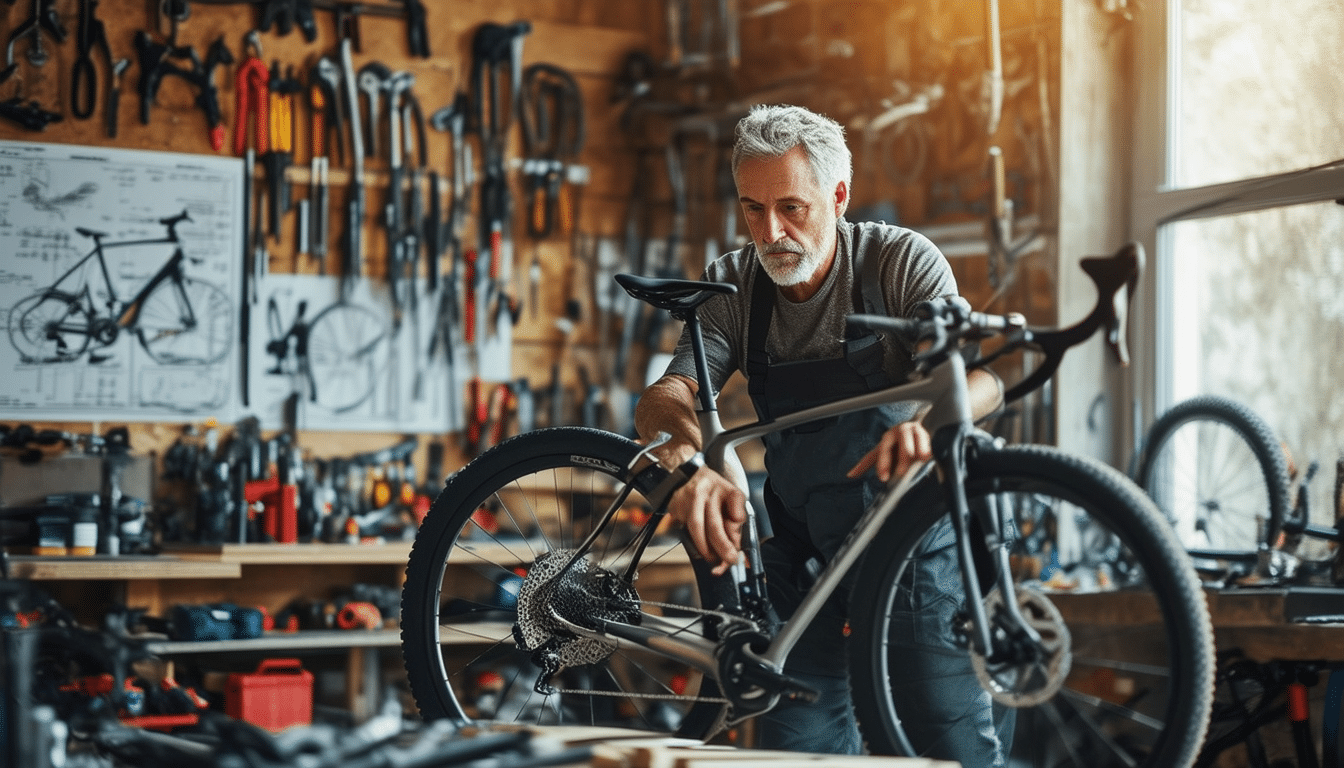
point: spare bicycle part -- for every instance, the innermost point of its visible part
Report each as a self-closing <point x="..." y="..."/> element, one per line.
<point x="1217" y="471"/>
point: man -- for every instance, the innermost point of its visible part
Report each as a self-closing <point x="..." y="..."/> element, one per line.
<point x="805" y="269"/>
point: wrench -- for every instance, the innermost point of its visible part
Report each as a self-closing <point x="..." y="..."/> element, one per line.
<point x="373" y="79"/>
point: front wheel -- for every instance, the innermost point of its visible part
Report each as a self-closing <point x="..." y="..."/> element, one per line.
<point x="480" y="561"/>
<point x="1122" y="673"/>
<point x="186" y="322"/>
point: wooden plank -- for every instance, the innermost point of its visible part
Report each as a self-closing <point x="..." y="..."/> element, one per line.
<point x="106" y="567"/>
<point x="293" y="554"/>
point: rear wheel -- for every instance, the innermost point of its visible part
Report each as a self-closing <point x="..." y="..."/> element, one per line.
<point x="499" y="526"/>
<point x="50" y="327"/>
<point x="1123" y="673"/>
<point x="1217" y="471"/>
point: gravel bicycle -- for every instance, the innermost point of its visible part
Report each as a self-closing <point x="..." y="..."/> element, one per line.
<point x="1081" y="611"/>
<point x="178" y="320"/>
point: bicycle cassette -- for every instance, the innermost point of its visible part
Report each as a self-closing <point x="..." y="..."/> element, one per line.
<point x="586" y="595"/>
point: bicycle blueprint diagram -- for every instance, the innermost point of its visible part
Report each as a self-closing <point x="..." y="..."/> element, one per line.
<point x="47" y="193"/>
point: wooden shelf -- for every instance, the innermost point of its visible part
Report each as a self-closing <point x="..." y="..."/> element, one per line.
<point x="292" y="554"/>
<point x="313" y="639"/>
<point x="120" y="568"/>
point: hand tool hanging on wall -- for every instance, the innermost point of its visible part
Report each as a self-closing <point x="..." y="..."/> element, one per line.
<point x="280" y="118"/>
<point x="251" y="86"/>
<point x="43" y="19"/>
<point x="497" y="52"/>
<point x="286" y="14"/>
<point x="670" y="264"/>
<point x="119" y="67"/>
<point x="452" y="119"/>
<point x="156" y="62"/>
<point x="373" y="78"/>
<point x="551" y="113"/>
<point x="324" y="81"/>
<point x="394" y="213"/>
<point x="352" y="243"/>
<point x="83" y="75"/>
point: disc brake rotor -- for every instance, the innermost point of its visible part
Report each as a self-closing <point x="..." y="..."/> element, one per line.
<point x="1027" y="683"/>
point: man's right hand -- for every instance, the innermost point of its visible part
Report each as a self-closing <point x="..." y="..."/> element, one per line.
<point x="713" y="511"/>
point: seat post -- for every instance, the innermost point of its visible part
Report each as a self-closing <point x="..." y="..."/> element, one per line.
<point x="704" y="394"/>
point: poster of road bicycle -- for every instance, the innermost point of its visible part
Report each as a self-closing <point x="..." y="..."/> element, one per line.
<point x="355" y="363"/>
<point x="120" y="282"/>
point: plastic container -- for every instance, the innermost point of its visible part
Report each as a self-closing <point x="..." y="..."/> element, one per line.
<point x="279" y="694"/>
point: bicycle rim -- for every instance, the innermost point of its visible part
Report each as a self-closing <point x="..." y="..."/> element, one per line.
<point x="1128" y="676"/>
<point x="49" y="327"/>
<point x="341" y="347"/>
<point x="190" y="325"/>
<point x="532" y="495"/>
<point x="1214" y="467"/>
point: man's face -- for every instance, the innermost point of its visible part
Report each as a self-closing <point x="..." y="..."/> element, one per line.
<point x="791" y="217"/>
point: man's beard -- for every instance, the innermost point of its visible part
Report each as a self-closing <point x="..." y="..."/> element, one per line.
<point x="801" y="264"/>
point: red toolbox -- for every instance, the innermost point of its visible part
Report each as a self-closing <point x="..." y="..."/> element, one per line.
<point x="279" y="694"/>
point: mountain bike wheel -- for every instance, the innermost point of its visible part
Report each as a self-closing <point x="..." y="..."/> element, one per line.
<point x="50" y="327"/>
<point x="187" y="323"/>
<point x="1214" y="467"/>
<point x="1126" y="672"/>
<point x="512" y="511"/>
<point x="339" y="356"/>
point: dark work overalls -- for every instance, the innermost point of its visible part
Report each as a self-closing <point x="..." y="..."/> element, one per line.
<point x="812" y="506"/>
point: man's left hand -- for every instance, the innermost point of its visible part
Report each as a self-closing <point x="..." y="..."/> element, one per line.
<point x="900" y="447"/>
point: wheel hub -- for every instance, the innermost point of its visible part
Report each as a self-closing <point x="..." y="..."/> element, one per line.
<point x="1034" y="671"/>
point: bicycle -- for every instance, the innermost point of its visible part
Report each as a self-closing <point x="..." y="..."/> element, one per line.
<point x="1215" y="468"/>
<point x="1065" y="536"/>
<point x="334" y="353"/>
<point x="178" y="320"/>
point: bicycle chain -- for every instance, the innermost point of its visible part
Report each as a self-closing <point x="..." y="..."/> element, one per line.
<point x="724" y="615"/>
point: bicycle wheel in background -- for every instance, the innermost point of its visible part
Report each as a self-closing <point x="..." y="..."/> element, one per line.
<point x="507" y="518"/>
<point x="50" y="327"/>
<point x="1217" y="471"/>
<point x="190" y="323"/>
<point x="1127" y="676"/>
<point x="339" y="356"/>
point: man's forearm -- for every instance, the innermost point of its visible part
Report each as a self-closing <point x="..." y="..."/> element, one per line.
<point x="668" y="405"/>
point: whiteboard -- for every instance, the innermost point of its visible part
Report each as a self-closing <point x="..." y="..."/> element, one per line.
<point x="93" y="361"/>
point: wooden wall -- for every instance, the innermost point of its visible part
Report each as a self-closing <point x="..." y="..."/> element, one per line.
<point x="843" y="57"/>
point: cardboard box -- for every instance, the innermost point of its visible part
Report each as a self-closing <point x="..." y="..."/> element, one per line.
<point x="279" y="694"/>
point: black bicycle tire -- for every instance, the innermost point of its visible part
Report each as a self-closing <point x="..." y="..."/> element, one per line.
<point x="517" y="457"/>
<point x="315" y="382"/>
<point x="1110" y="497"/>
<point x="72" y="352"/>
<point x="1246" y="425"/>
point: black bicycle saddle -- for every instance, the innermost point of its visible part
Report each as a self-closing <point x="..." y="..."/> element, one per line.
<point x="673" y="294"/>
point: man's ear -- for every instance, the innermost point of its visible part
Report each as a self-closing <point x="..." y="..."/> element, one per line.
<point x="841" y="198"/>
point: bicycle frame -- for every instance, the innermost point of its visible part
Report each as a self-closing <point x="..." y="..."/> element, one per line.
<point x="171" y="269"/>
<point x="949" y="420"/>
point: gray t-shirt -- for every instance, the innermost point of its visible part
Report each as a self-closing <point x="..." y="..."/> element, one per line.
<point x="912" y="270"/>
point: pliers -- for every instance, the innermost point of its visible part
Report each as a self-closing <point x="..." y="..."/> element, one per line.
<point x="252" y="84"/>
<point x="83" y="76"/>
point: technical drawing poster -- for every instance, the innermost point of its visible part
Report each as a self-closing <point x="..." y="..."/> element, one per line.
<point x="352" y="365"/>
<point x="142" y="331"/>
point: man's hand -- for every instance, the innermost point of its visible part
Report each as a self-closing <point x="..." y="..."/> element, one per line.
<point x="713" y="510"/>
<point x="900" y="446"/>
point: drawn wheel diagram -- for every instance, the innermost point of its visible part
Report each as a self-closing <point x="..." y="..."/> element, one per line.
<point x="50" y="327"/>
<point x="190" y="325"/>
<point x="341" y="353"/>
